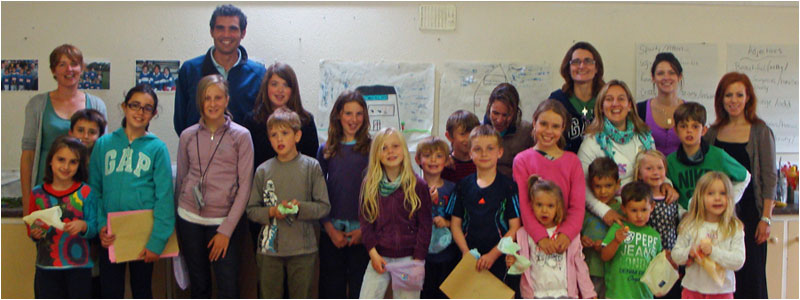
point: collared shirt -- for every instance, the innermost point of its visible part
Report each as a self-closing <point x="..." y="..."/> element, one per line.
<point x="220" y="68"/>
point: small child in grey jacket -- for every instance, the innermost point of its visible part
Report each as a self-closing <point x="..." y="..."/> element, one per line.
<point x="289" y="197"/>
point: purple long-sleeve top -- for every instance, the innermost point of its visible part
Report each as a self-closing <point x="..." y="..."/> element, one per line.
<point x="393" y="234"/>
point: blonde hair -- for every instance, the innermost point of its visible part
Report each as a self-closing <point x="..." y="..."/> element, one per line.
<point x="204" y="84"/>
<point x="538" y="185"/>
<point x="598" y="124"/>
<point x="640" y="156"/>
<point x="408" y="180"/>
<point x="728" y="224"/>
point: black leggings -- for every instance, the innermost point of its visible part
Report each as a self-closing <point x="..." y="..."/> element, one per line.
<point x="112" y="278"/>
<point x="73" y="283"/>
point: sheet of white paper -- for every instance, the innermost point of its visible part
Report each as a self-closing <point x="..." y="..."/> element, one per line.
<point x="50" y="216"/>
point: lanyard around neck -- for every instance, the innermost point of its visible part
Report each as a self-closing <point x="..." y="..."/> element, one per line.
<point x="197" y="139"/>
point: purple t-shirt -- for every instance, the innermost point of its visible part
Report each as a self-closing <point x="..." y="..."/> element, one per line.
<point x="666" y="139"/>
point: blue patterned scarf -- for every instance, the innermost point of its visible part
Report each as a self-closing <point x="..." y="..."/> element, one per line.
<point x="611" y="135"/>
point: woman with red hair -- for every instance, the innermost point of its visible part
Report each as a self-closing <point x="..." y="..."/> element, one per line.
<point x="743" y="135"/>
<point x="47" y="115"/>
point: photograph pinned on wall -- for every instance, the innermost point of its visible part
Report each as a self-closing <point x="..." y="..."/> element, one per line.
<point x="20" y="74"/>
<point x="160" y="74"/>
<point x="96" y="76"/>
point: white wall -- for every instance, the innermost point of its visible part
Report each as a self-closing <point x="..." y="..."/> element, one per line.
<point x="303" y="33"/>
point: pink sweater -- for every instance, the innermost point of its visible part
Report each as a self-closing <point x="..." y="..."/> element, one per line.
<point x="567" y="173"/>
<point x="579" y="284"/>
<point x="228" y="178"/>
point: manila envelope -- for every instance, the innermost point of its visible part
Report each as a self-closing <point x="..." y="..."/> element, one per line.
<point x="132" y="229"/>
<point x="464" y="282"/>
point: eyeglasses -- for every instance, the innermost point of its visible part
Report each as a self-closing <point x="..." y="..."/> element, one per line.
<point x="586" y="61"/>
<point x="136" y="106"/>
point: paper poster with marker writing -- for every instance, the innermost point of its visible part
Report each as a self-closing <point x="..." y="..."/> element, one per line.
<point x="399" y="95"/>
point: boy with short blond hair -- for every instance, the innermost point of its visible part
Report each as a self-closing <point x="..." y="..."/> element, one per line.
<point x="629" y="248"/>
<point x="459" y="125"/>
<point x="432" y="155"/>
<point x="289" y="197"/>
<point x="603" y="181"/>
<point x="487" y="202"/>
<point x="695" y="156"/>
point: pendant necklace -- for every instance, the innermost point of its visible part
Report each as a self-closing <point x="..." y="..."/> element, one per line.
<point x="663" y="113"/>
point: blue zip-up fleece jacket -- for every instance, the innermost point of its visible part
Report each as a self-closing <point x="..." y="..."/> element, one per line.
<point x="133" y="176"/>
<point x="244" y="80"/>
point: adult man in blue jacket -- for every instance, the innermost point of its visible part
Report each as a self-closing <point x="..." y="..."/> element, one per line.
<point x="227" y="58"/>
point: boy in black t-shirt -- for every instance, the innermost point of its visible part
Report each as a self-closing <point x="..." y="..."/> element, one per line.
<point x="485" y="205"/>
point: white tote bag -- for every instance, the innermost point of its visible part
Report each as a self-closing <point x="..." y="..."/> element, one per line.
<point x="660" y="276"/>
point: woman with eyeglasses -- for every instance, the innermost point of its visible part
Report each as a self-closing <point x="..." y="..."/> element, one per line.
<point x="582" y="70"/>
<point x="47" y="115"/>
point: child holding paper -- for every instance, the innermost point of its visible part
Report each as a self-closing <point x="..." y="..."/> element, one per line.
<point x="130" y="170"/>
<point x="485" y="206"/>
<point x="628" y="248"/>
<point x="712" y="237"/>
<point x="63" y="267"/>
<point x="288" y="197"/>
<point x="551" y="275"/>
<point x="395" y="215"/>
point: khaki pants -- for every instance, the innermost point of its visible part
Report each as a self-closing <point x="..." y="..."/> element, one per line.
<point x="300" y="270"/>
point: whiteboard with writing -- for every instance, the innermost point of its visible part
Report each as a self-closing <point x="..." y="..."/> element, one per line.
<point x="399" y="95"/>
<point x="772" y="70"/>
<point x="700" y="75"/>
<point x="467" y="85"/>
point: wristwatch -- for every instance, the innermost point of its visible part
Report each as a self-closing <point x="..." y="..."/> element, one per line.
<point x="766" y="220"/>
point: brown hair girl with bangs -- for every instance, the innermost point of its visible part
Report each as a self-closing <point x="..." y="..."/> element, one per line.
<point x="342" y="117"/>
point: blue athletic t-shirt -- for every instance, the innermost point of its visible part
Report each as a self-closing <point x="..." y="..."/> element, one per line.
<point x="485" y="212"/>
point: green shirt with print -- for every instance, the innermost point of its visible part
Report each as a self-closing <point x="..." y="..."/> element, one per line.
<point x="631" y="261"/>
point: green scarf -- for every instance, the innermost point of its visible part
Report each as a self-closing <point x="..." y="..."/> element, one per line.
<point x="386" y="187"/>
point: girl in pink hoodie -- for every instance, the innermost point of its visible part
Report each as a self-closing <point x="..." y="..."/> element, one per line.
<point x="554" y="275"/>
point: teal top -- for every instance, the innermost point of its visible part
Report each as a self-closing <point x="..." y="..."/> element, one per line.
<point x="53" y="126"/>
<point x="134" y="175"/>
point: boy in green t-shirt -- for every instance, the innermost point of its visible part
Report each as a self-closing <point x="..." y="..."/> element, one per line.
<point x="695" y="157"/>
<point x="628" y="249"/>
<point x="603" y="180"/>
